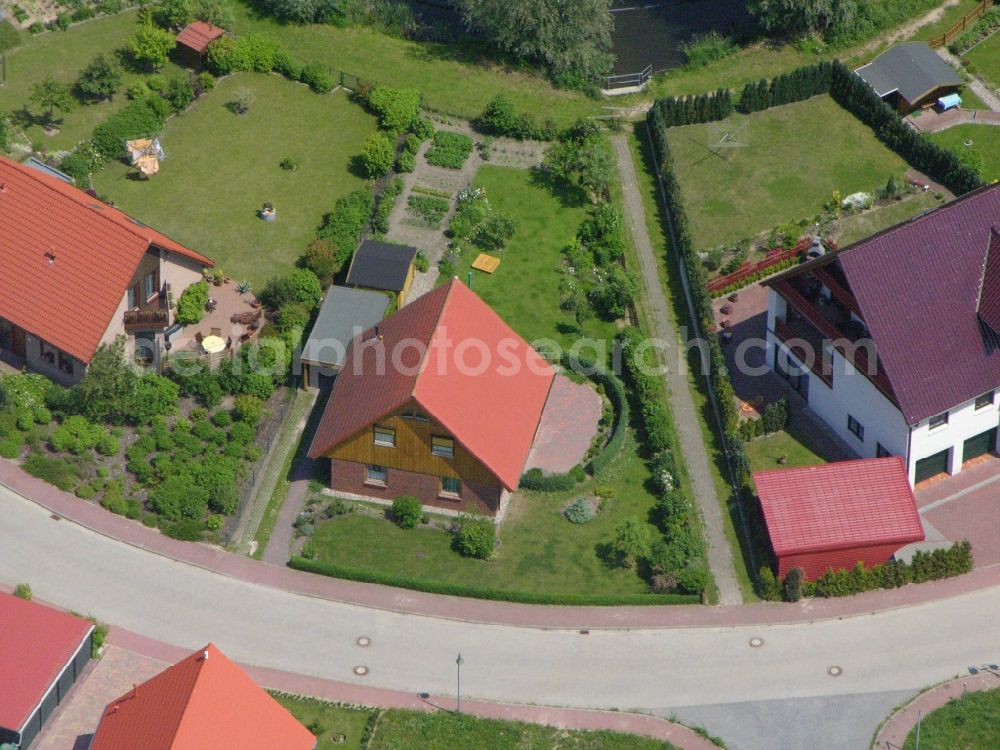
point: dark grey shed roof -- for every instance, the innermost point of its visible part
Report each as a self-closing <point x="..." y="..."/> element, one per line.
<point x="344" y="314"/>
<point x="913" y="69"/>
<point x="379" y="265"/>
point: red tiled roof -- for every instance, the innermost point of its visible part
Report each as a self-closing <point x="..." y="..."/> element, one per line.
<point x="491" y="406"/>
<point x="917" y="286"/>
<point x="36" y="644"/>
<point x="199" y="35"/>
<point x="204" y="701"/>
<point x="989" y="290"/>
<point x="68" y="301"/>
<point x="840" y="505"/>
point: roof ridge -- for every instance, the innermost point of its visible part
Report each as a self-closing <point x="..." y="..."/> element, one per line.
<point x="197" y="656"/>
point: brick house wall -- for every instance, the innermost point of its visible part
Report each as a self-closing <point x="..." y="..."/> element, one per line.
<point x="350" y="476"/>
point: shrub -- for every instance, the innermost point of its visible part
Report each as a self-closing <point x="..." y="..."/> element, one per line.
<point x="114" y="497"/>
<point x="286" y="66"/>
<point x="180" y="496"/>
<point x="768" y="586"/>
<point x="206" y="81"/>
<point x="23" y="591"/>
<point x="377" y="155"/>
<point x="316" y="77"/>
<point x="406" y="511"/>
<point x="580" y="510"/>
<point x="396" y="109"/>
<point x="185" y="530"/>
<point x="500" y="117"/>
<point x="343" y="226"/>
<point x="151" y="45"/>
<point x="533" y="479"/>
<point x="77" y="435"/>
<point x="422" y="129"/>
<point x="703" y="49"/>
<point x="241" y="433"/>
<point x="101" y="79"/>
<point x="631" y="540"/>
<point x="55" y="471"/>
<point x="138" y="91"/>
<point x="775" y="416"/>
<point x="322" y="258"/>
<point x="475" y="537"/>
<point x="191" y="304"/>
<point x="792" y="589"/>
<point x="10" y="448"/>
<point x="449" y="149"/>
<point x="250" y="52"/>
<point x="137" y="119"/>
<point x="248" y="409"/>
<point x="406" y="162"/>
<point x="222" y="418"/>
<point x="214" y="522"/>
<point x="180" y="93"/>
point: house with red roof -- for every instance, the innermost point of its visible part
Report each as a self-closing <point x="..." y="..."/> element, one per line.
<point x="78" y="273"/>
<point x="895" y="341"/>
<point x="42" y="654"/>
<point x="441" y="401"/>
<point x="837" y="515"/>
<point x="204" y="701"/>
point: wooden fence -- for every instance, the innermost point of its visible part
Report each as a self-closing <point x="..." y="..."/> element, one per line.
<point x="750" y="269"/>
<point x="961" y="25"/>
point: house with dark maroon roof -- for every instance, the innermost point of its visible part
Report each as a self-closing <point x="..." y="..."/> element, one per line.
<point x="440" y="401"/>
<point x="77" y="273"/>
<point x="837" y="515"/>
<point x="43" y="652"/>
<point x="895" y="341"/>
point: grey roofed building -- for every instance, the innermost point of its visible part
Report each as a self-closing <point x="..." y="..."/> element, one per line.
<point x="911" y="71"/>
<point x="344" y="314"/>
<point x="381" y="265"/>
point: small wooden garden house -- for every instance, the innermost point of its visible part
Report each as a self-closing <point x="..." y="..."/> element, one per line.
<point x="194" y="40"/>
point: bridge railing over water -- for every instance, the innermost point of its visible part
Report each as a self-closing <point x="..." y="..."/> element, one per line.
<point x="609" y="83"/>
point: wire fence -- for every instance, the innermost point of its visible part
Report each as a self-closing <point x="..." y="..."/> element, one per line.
<point x="624" y="80"/>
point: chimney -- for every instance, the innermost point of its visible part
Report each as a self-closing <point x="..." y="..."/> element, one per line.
<point x="204" y="655"/>
<point x="50" y="255"/>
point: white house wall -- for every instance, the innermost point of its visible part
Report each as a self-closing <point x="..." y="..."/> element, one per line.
<point x="964" y="422"/>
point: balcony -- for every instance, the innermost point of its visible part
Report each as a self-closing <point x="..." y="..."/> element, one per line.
<point x="154" y="317"/>
<point x="806" y="344"/>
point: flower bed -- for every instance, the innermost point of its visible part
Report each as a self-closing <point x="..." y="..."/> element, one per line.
<point x="751" y="272"/>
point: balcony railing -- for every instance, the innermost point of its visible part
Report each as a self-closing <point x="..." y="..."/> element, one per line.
<point x="154" y="317"/>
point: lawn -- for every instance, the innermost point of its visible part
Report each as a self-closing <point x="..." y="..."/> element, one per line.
<point x="985" y="139"/>
<point x="798" y="155"/>
<point x="221" y="167"/>
<point x="969" y="723"/>
<point x="448" y="81"/>
<point x="860" y="226"/>
<point x="442" y="730"/>
<point x="986" y="60"/>
<point x="795" y="445"/>
<point x="63" y="54"/>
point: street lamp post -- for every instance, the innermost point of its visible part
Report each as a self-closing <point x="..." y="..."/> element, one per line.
<point x="458" y="663"/>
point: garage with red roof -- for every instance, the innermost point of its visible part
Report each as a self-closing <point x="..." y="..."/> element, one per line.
<point x="205" y="701"/>
<point x="42" y="653"/>
<point x="839" y="514"/>
<point x="442" y="401"/>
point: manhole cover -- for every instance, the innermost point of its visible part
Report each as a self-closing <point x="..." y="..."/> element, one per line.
<point x="361" y="671"/>
<point x="756" y="642"/>
<point x="364" y="641"/>
<point x="835" y="671"/>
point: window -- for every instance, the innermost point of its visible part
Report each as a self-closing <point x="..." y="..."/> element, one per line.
<point x="881" y="452"/>
<point x="451" y="486"/>
<point x="66" y="363"/>
<point x="376" y="474"/>
<point x="150" y="284"/>
<point x="133" y="296"/>
<point x="444" y="447"/>
<point x="855" y="427"/>
<point x="939" y="421"/>
<point x="985" y="400"/>
<point x="385" y="436"/>
<point x="413" y="413"/>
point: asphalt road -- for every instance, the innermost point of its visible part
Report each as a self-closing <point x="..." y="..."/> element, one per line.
<point x="665" y="670"/>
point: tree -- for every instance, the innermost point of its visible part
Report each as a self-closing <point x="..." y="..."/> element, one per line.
<point x="301" y="11"/>
<point x="582" y="155"/>
<point x="630" y="542"/>
<point x="151" y="45"/>
<point x="572" y="38"/>
<point x="244" y="99"/>
<point x="215" y="12"/>
<point x="323" y="259"/>
<point x="108" y="387"/>
<point x="172" y="14"/>
<point x="377" y="155"/>
<point x="795" y="16"/>
<point x="101" y="79"/>
<point x="50" y="95"/>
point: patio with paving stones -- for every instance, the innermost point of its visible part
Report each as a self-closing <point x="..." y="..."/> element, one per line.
<point x="966" y="506"/>
<point x="228" y="302"/>
<point x="76" y="719"/>
<point x="567" y="427"/>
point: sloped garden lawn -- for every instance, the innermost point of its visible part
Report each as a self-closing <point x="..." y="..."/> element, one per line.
<point x="221" y="167"/>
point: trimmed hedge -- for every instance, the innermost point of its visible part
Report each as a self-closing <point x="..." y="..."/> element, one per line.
<point x="477" y="592"/>
<point x="795" y="86"/>
<point x="688" y="110"/>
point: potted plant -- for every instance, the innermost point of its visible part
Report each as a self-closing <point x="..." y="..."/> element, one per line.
<point x="217" y="276"/>
<point x="267" y="212"/>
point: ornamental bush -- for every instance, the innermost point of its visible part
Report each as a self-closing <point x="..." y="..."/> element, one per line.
<point x="180" y="496"/>
<point x="248" y="409"/>
<point x="56" y="471"/>
<point x="377" y="155"/>
<point x="396" y="109"/>
<point x="77" y="435"/>
<point x="241" y="433"/>
<point x="475" y="537"/>
<point x="580" y="511"/>
<point x="792" y="589"/>
<point x="191" y="304"/>
<point x="316" y="77"/>
<point x="250" y="52"/>
<point x="137" y="119"/>
<point x="406" y="511"/>
<point x="500" y="117"/>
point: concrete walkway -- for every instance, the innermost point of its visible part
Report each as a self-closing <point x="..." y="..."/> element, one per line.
<point x="931" y="121"/>
<point x="720" y="556"/>
<point x="892" y="735"/>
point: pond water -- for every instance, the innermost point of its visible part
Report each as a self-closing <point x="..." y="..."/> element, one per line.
<point x="647" y="32"/>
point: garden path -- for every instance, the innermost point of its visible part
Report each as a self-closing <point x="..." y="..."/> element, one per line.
<point x="720" y="555"/>
<point x="505" y="152"/>
<point x="990" y="97"/>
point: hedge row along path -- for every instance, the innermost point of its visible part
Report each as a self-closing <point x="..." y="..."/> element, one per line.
<point x="720" y="555"/>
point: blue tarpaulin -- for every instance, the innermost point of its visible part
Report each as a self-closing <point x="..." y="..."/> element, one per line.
<point x="947" y="102"/>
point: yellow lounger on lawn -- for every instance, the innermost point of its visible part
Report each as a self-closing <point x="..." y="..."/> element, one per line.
<point x="486" y="263"/>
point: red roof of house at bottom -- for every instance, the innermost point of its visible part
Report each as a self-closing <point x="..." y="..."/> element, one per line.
<point x="36" y="644"/>
<point x="839" y="506"/>
<point x="199" y="35"/>
<point x="66" y="258"/>
<point x="491" y="405"/>
<point x="204" y="702"/>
